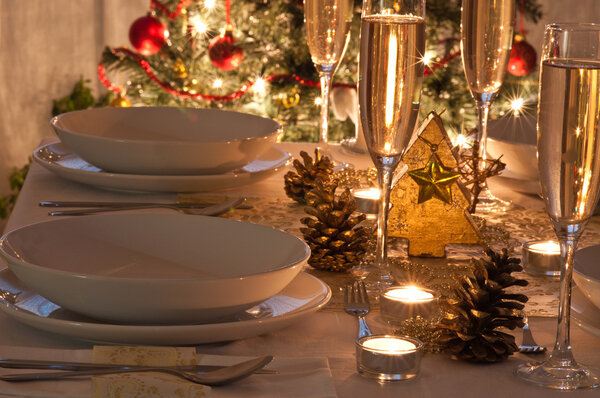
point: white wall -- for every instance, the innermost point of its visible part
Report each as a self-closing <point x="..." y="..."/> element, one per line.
<point x="45" y="46"/>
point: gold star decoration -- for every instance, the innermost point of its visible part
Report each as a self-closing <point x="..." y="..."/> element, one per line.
<point x="434" y="180"/>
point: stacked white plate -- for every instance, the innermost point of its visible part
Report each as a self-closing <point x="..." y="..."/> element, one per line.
<point x="163" y="149"/>
<point x="585" y="300"/>
<point x="514" y="138"/>
<point x="156" y="278"/>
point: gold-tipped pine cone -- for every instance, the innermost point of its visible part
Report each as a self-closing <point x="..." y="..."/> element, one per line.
<point x="336" y="240"/>
<point x="298" y="183"/>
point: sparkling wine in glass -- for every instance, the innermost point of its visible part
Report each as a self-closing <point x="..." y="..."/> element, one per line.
<point x="392" y="44"/>
<point x="328" y="32"/>
<point x="569" y="164"/>
<point x="485" y="40"/>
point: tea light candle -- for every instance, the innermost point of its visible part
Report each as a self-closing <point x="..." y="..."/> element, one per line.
<point x="367" y="200"/>
<point x="388" y="358"/>
<point x="403" y="302"/>
<point x="542" y="258"/>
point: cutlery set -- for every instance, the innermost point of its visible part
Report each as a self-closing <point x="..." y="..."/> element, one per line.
<point x="201" y="374"/>
<point x="86" y="208"/>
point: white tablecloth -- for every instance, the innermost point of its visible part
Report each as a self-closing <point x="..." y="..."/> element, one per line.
<point x="328" y="334"/>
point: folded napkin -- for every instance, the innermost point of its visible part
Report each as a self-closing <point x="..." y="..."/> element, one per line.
<point x="297" y="377"/>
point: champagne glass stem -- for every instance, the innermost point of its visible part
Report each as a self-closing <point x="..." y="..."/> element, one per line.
<point x="326" y="78"/>
<point x="380" y="278"/>
<point x="483" y="112"/>
<point x="568" y="236"/>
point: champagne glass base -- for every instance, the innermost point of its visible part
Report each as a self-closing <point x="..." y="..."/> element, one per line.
<point x="553" y="374"/>
<point x="487" y="202"/>
<point x="377" y="281"/>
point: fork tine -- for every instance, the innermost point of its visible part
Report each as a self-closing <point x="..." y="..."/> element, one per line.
<point x="363" y="292"/>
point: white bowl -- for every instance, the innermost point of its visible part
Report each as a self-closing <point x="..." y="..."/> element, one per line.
<point x="154" y="268"/>
<point x="587" y="273"/>
<point x="514" y="138"/>
<point x="163" y="140"/>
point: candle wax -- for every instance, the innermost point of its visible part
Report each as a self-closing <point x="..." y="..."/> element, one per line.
<point x="409" y="294"/>
<point x="545" y="247"/>
<point x="389" y="344"/>
<point x="372" y="193"/>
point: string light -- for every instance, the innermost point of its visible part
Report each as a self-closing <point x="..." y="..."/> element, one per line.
<point x="198" y="25"/>
<point x="516" y="105"/>
<point x="218" y="83"/>
<point x="428" y="58"/>
<point x="210" y="4"/>
<point x="318" y="101"/>
<point x="260" y="85"/>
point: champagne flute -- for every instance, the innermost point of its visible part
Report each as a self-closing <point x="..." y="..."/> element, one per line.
<point x="569" y="163"/>
<point x="486" y="34"/>
<point x="392" y="44"/>
<point x="328" y="25"/>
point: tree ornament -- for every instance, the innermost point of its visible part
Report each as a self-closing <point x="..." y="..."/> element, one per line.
<point x="148" y="35"/>
<point x="180" y="69"/>
<point x="298" y="184"/>
<point x="523" y="58"/>
<point x="224" y="53"/>
<point x="336" y="241"/>
<point x="481" y="306"/>
<point x="222" y="50"/>
<point x="289" y="100"/>
<point x="120" y="102"/>
<point x="429" y="205"/>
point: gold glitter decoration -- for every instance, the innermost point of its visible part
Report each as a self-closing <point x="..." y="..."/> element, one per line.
<point x="429" y="225"/>
<point x="349" y="177"/>
<point x="422" y="329"/>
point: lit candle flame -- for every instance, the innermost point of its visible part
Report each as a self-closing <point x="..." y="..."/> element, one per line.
<point x="409" y="294"/>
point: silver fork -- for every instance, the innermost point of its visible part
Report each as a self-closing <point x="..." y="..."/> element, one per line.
<point x="528" y="344"/>
<point x="356" y="302"/>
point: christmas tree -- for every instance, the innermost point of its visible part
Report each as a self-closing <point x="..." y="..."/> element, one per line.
<point x="251" y="56"/>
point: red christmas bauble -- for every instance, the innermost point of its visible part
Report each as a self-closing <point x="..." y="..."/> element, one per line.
<point x="147" y="35"/>
<point x="523" y="58"/>
<point x="224" y="53"/>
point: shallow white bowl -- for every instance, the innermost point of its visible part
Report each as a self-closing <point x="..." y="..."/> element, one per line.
<point x="154" y="268"/>
<point x="587" y="273"/>
<point x="163" y="140"/>
<point x="514" y="138"/>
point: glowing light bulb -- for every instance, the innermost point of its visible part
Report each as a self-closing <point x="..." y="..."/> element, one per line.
<point x="217" y="83"/>
<point x="318" y="101"/>
<point x="517" y="105"/>
<point x="209" y="3"/>
<point x="428" y="58"/>
<point x="460" y="140"/>
<point x="260" y="85"/>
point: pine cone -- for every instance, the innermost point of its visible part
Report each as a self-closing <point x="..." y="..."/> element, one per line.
<point x="470" y="323"/>
<point x="335" y="240"/>
<point x="298" y="184"/>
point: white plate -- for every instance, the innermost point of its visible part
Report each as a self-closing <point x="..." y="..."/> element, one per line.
<point x="518" y="184"/>
<point x="303" y="296"/>
<point x="584" y="313"/>
<point x="166" y="140"/>
<point x="148" y="268"/>
<point x="59" y="160"/>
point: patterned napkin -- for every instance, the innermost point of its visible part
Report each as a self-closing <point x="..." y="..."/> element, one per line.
<point x="296" y="378"/>
<point x="151" y="384"/>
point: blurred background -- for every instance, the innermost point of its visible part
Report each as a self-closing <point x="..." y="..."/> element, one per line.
<point x="47" y="46"/>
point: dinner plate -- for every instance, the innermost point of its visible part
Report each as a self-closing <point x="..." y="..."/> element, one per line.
<point x="584" y="312"/>
<point x="303" y="296"/>
<point x="60" y="160"/>
<point x="518" y="183"/>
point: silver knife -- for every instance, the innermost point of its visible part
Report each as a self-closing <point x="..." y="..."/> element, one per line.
<point x="75" y="366"/>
